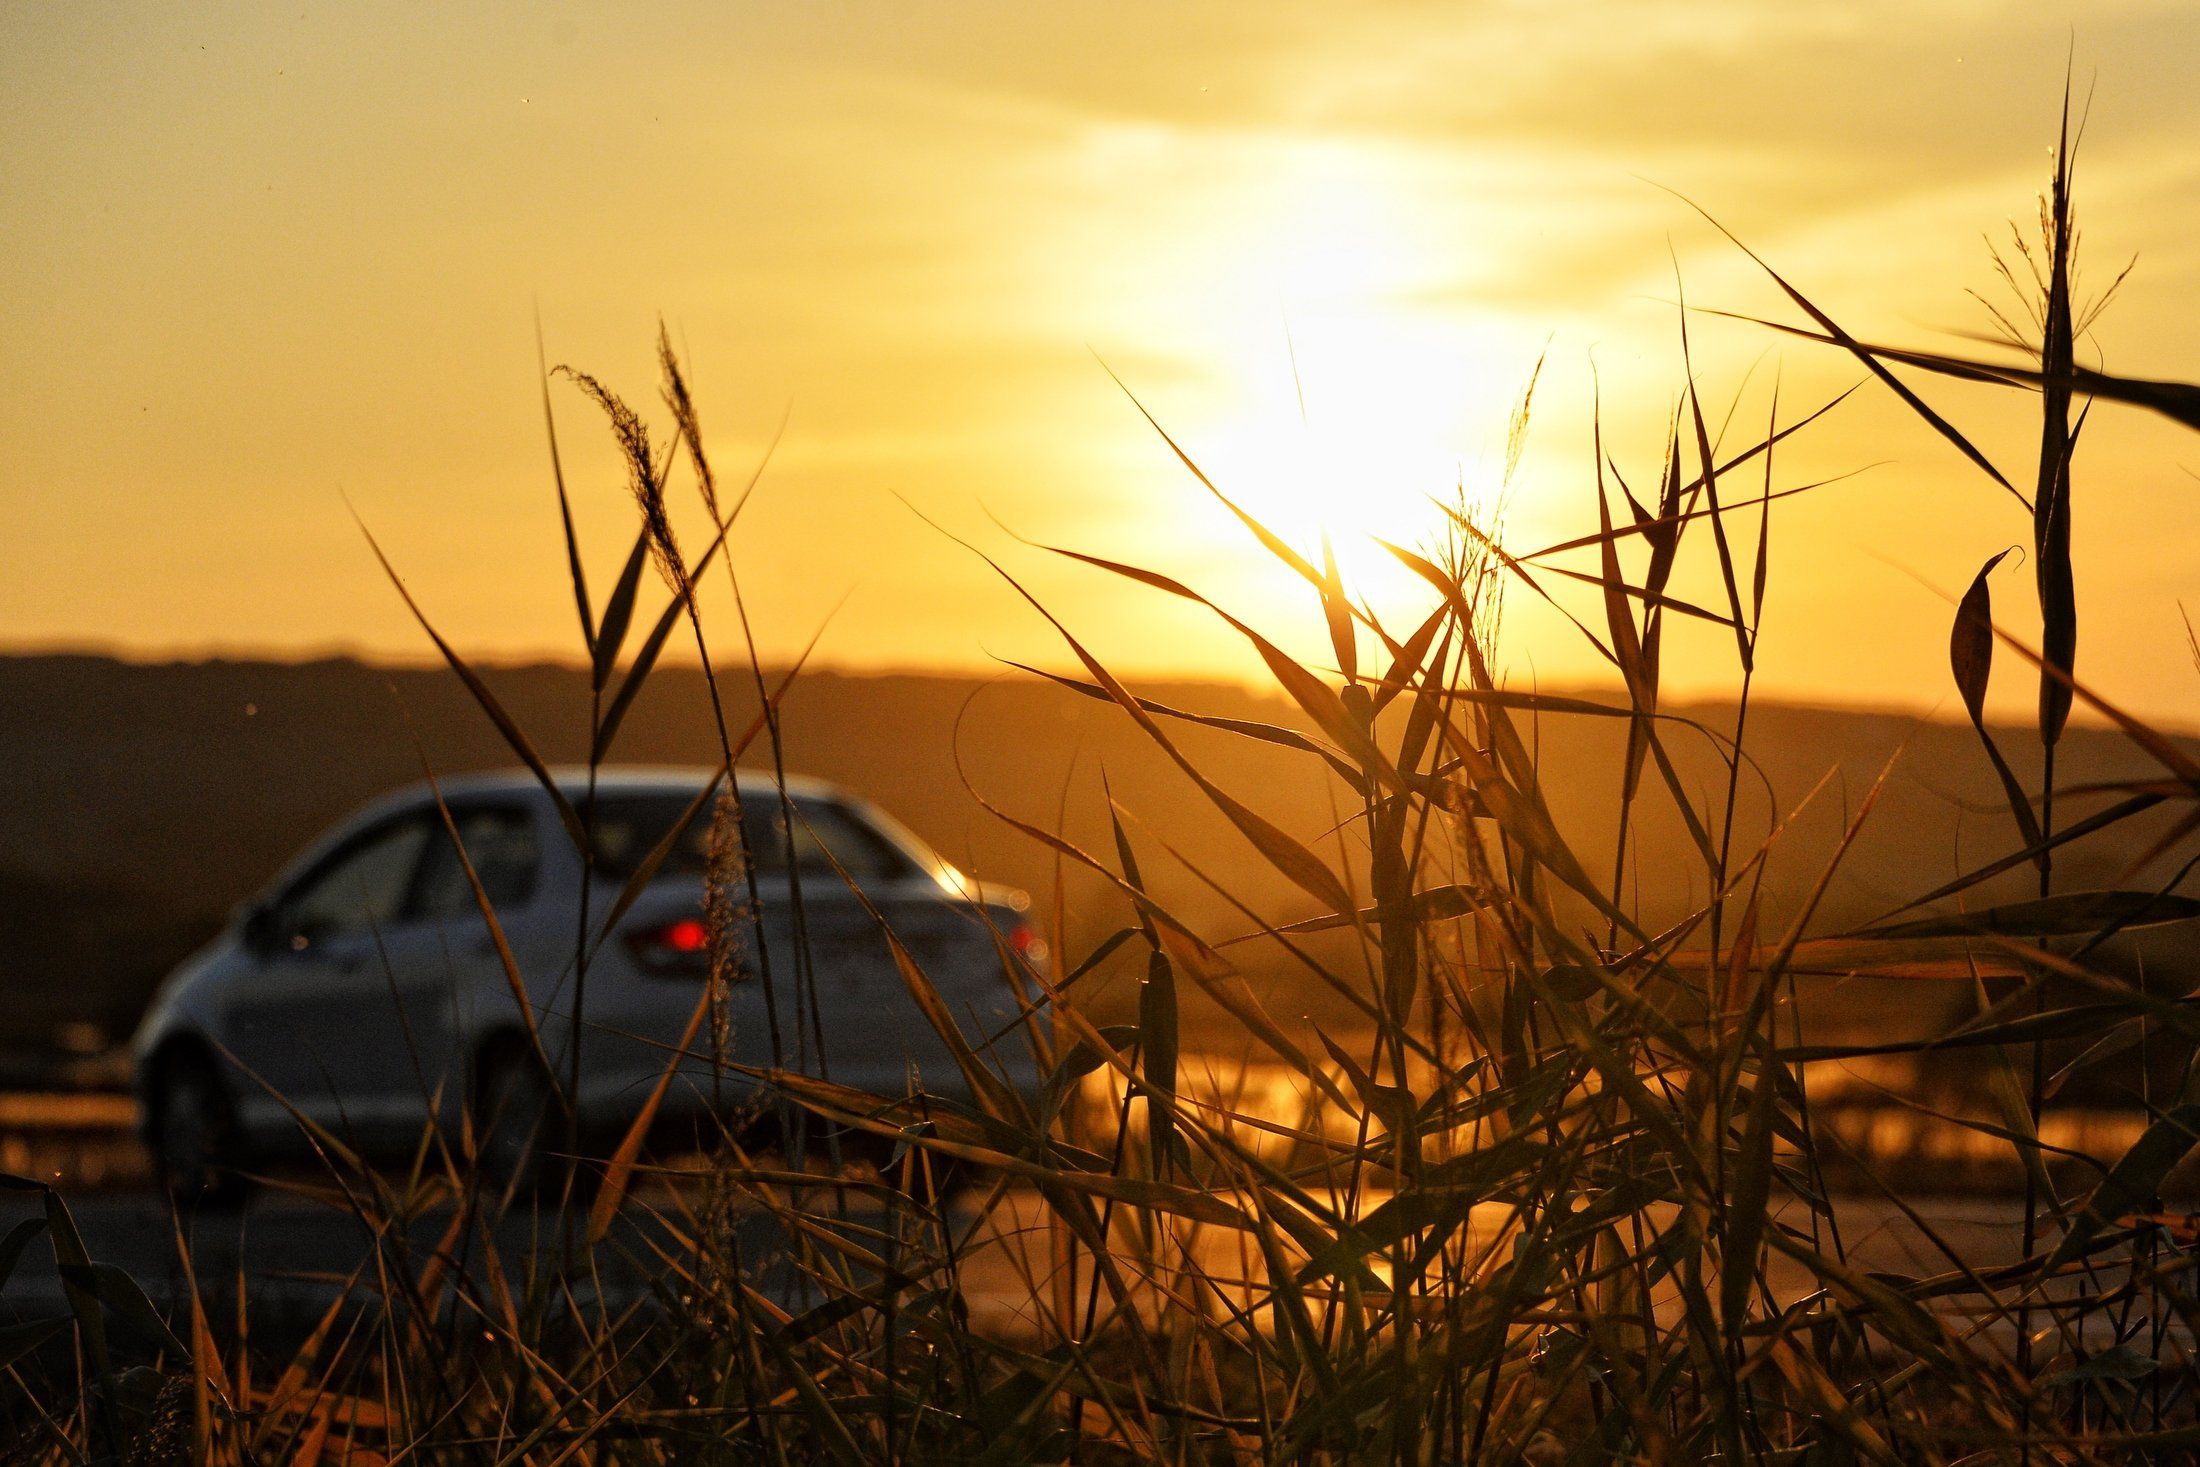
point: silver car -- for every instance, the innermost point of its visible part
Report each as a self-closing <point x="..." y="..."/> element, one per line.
<point x="364" y="990"/>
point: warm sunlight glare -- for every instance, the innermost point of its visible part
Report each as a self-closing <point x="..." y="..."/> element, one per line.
<point x="1356" y="392"/>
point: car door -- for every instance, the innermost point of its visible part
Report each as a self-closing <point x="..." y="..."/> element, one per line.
<point x="321" y="1018"/>
<point x="502" y="841"/>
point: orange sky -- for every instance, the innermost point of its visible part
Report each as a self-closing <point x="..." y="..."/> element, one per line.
<point x="263" y="260"/>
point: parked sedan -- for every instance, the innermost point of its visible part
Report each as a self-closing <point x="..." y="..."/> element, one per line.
<point x="364" y="990"/>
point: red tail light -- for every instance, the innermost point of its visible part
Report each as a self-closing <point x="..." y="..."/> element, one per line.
<point x="1029" y="945"/>
<point x="681" y="946"/>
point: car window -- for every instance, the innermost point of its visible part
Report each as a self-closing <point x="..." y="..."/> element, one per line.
<point x="361" y="885"/>
<point x="628" y="827"/>
<point x="821" y="827"/>
<point x="500" y="841"/>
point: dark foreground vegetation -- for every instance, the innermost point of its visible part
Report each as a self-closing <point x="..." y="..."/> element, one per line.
<point x="1561" y="1195"/>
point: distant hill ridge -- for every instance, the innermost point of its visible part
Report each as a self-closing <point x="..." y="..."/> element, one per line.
<point x="139" y="802"/>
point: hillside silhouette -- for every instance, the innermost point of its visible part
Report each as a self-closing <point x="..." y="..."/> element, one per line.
<point x="144" y="801"/>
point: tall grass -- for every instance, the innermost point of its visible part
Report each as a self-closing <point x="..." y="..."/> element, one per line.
<point x="1560" y="1197"/>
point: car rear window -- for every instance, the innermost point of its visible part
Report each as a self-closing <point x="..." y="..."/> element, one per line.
<point x="628" y="827"/>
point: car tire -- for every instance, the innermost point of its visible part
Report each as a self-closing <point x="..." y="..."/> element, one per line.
<point x="192" y="1132"/>
<point x="518" y="1124"/>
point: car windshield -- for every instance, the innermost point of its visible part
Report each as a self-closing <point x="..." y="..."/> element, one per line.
<point x="629" y="826"/>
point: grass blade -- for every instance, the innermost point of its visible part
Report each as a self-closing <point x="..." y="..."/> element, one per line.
<point x="1971" y="660"/>
<point x="1870" y="361"/>
<point x="486" y="700"/>
<point x="619" y="1172"/>
<point x="574" y="570"/>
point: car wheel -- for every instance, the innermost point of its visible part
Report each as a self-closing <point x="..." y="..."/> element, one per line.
<point x="518" y="1127"/>
<point x="193" y="1132"/>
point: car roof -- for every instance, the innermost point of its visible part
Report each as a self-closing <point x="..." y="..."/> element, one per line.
<point x="680" y="780"/>
<point x="619" y="779"/>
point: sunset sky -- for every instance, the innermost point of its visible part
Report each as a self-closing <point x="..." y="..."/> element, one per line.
<point x="264" y="259"/>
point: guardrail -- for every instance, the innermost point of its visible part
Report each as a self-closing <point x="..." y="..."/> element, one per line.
<point x="74" y="1138"/>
